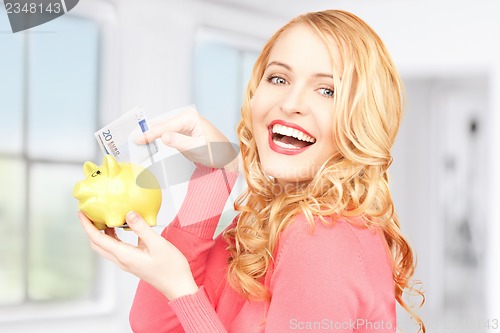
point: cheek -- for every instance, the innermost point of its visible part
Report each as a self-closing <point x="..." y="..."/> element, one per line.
<point x="257" y="128"/>
<point x="264" y="98"/>
<point x="325" y="124"/>
<point x="260" y="134"/>
<point x="327" y="136"/>
<point x="259" y="111"/>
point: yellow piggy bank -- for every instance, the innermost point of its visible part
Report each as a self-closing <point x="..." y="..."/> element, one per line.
<point x="111" y="190"/>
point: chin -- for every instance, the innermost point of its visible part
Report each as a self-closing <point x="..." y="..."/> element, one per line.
<point x="290" y="176"/>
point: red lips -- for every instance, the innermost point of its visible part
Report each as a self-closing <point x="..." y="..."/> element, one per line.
<point x="284" y="150"/>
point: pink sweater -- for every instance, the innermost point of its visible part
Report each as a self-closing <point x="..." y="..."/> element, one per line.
<point x="336" y="278"/>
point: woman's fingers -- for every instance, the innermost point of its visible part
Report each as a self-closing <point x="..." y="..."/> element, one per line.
<point x="111" y="257"/>
<point x="195" y="137"/>
<point x="184" y="132"/>
<point x="186" y="123"/>
<point x="152" y="134"/>
<point x="146" y="234"/>
<point x="183" y="143"/>
<point x="154" y="260"/>
<point x="97" y="238"/>
<point x="106" y="244"/>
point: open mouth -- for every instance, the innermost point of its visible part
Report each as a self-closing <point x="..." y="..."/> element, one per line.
<point x="290" y="138"/>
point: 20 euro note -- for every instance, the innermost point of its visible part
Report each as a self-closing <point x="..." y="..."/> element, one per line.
<point x="118" y="139"/>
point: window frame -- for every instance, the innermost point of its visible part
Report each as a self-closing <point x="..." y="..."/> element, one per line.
<point x="105" y="301"/>
<point x="242" y="43"/>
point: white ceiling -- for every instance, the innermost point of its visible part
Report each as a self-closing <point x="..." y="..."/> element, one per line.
<point x="286" y="8"/>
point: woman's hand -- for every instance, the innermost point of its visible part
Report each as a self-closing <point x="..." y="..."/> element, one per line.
<point x="154" y="260"/>
<point x="195" y="137"/>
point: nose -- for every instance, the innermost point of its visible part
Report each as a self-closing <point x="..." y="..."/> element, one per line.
<point x="295" y="102"/>
<point x="78" y="191"/>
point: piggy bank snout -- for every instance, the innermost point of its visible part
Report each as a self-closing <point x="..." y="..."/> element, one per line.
<point x="80" y="192"/>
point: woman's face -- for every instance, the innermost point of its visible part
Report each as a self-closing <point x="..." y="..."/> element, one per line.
<point x="292" y="108"/>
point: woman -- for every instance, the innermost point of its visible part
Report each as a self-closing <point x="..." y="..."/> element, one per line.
<point x="317" y="244"/>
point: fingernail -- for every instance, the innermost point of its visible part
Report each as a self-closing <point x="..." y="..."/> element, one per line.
<point x="132" y="217"/>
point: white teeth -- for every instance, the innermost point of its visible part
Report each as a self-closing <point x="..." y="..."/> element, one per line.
<point x="300" y="136"/>
<point x="288" y="131"/>
<point x="297" y="134"/>
<point x="285" y="145"/>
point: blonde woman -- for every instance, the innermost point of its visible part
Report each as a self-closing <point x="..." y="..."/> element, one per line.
<point x="316" y="245"/>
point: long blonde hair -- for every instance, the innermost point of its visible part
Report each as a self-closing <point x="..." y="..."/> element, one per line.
<point x="368" y="104"/>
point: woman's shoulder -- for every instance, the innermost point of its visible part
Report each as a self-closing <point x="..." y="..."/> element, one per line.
<point x="338" y="241"/>
<point x="344" y="253"/>
<point x="332" y="232"/>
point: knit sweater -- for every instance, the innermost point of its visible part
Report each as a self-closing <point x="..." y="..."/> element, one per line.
<point x="334" y="277"/>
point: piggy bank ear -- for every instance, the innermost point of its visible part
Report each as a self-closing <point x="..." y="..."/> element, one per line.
<point x="88" y="167"/>
<point x="111" y="166"/>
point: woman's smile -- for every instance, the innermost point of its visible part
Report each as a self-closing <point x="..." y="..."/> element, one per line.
<point x="288" y="138"/>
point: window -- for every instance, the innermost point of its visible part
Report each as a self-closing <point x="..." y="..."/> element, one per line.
<point x="48" y="111"/>
<point x="222" y="70"/>
<point x="223" y="64"/>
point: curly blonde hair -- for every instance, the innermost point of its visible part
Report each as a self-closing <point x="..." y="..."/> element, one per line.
<point x="368" y="104"/>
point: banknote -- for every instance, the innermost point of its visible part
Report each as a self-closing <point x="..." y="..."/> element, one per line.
<point x="118" y="138"/>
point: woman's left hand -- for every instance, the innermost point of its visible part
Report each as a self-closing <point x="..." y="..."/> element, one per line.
<point x="154" y="260"/>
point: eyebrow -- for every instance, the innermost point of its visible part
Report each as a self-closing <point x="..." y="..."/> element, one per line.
<point x="277" y="63"/>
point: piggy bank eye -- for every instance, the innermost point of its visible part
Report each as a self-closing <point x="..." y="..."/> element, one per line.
<point x="96" y="173"/>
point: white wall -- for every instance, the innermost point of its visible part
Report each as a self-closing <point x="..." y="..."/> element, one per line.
<point x="152" y="56"/>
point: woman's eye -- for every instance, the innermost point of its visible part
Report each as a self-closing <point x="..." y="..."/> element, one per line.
<point x="326" y="92"/>
<point x="277" y="80"/>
